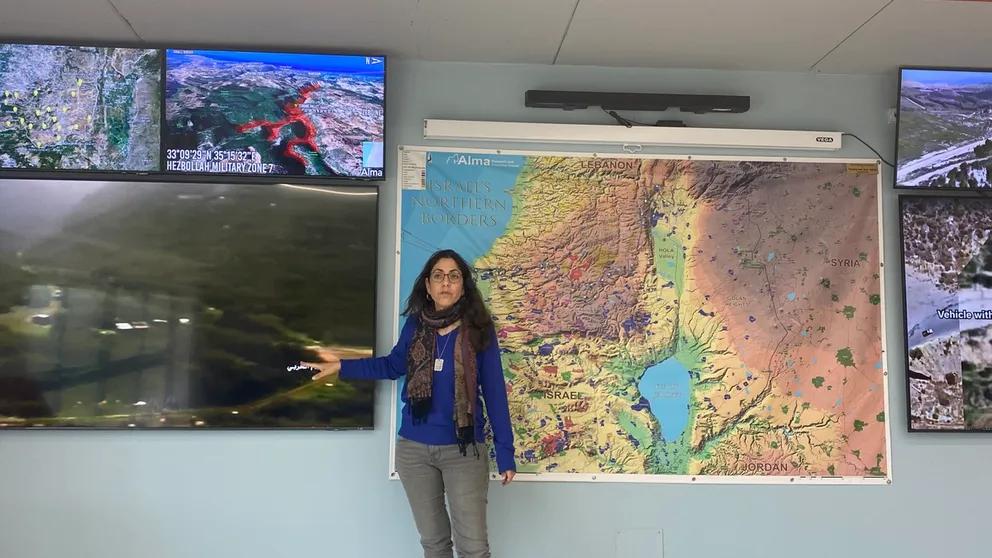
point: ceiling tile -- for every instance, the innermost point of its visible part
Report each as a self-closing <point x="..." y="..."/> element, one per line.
<point x="515" y="31"/>
<point x="379" y="26"/>
<point x="456" y="30"/>
<point x="62" y="21"/>
<point x="715" y="34"/>
<point x="919" y="33"/>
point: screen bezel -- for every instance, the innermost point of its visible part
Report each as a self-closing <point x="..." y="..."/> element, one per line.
<point x="280" y="177"/>
<point x="161" y="175"/>
<point x="85" y="174"/>
<point x="376" y="271"/>
<point x="898" y="106"/>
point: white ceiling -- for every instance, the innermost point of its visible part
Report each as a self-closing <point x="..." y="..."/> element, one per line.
<point x="834" y="36"/>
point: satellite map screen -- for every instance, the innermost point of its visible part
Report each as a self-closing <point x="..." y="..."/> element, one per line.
<point x="947" y="254"/>
<point x="945" y="129"/>
<point x="79" y="108"/>
<point x="255" y="113"/>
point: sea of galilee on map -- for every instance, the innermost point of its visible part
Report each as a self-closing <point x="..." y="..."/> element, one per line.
<point x="672" y="317"/>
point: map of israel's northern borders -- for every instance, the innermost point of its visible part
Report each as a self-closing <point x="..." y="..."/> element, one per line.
<point x="671" y="319"/>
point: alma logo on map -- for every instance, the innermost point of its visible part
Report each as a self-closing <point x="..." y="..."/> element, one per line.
<point x="469" y="160"/>
<point x="457" y="159"/>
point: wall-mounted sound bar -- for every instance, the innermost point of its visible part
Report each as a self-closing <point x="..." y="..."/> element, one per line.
<point x="699" y="104"/>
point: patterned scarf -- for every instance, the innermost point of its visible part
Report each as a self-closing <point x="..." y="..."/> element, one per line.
<point x="420" y="371"/>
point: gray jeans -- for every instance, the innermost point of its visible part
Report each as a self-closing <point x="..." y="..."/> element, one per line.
<point x="430" y="472"/>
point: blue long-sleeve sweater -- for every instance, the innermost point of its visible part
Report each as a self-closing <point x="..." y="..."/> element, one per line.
<point x="439" y="426"/>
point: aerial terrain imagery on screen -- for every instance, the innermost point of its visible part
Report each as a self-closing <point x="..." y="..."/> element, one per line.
<point x="947" y="245"/>
<point x="79" y="108"/>
<point x="945" y="133"/>
<point x="672" y="317"/>
<point x="274" y="113"/>
<point x="150" y="305"/>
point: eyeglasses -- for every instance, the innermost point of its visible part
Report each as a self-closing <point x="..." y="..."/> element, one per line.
<point x="453" y="277"/>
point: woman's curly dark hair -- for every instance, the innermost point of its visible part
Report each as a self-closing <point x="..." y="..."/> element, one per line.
<point x="476" y="317"/>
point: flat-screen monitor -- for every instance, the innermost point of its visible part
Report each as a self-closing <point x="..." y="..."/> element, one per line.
<point x="944" y="129"/>
<point x="80" y="108"/>
<point x="947" y="268"/>
<point x="143" y="305"/>
<point x="265" y="113"/>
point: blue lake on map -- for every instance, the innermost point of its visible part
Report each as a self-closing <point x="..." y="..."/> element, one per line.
<point x="666" y="388"/>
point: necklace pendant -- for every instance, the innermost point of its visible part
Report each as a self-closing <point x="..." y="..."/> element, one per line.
<point x="438" y="364"/>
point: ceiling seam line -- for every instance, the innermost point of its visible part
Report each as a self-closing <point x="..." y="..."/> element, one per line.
<point x="851" y="34"/>
<point x="124" y="19"/>
<point x="565" y="32"/>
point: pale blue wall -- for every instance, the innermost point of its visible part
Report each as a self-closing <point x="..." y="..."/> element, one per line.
<point x="265" y="494"/>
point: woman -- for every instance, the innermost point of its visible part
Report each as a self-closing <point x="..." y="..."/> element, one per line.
<point x="448" y="351"/>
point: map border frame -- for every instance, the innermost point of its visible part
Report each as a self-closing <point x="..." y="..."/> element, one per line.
<point x="633" y="477"/>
